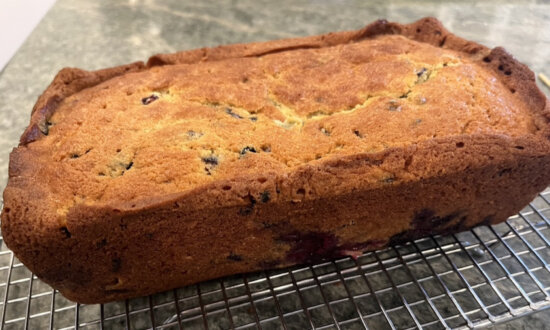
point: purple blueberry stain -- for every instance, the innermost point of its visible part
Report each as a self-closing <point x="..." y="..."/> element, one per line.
<point x="393" y="105"/>
<point x="45" y="127"/>
<point x="264" y="196"/>
<point x="192" y="135"/>
<point x="210" y="162"/>
<point x="368" y="245"/>
<point x="149" y="99"/>
<point x="101" y="243"/>
<point x="247" y="210"/>
<point x="486" y="221"/>
<point x="65" y="231"/>
<point x="246" y="150"/>
<point x="230" y="112"/>
<point x="313" y="247"/>
<point x="267" y="224"/>
<point x="234" y="257"/>
<point x="426" y="222"/>
<point x="116" y="263"/>
<point x="269" y="264"/>
<point x="420" y="72"/>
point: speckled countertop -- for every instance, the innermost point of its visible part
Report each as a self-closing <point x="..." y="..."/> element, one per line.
<point x="97" y="34"/>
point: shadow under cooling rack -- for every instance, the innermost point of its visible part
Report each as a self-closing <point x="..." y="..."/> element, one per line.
<point x="475" y="278"/>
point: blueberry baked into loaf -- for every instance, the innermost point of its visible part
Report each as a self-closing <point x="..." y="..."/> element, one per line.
<point x="217" y="161"/>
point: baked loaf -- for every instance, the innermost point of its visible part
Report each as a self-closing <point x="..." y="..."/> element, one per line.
<point x="217" y="161"/>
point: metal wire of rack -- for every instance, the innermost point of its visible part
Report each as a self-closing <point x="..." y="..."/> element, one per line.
<point x="475" y="278"/>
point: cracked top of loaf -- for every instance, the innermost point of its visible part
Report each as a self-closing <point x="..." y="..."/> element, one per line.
<point x="215" y="115"/>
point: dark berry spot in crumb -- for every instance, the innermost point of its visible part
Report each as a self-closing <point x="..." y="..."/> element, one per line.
<point x="266" y="148"/>
<point x="487" y="59"/>
<point x="266" y="224"/>
<point x="245" y="79"/>
<point x="46" y="129"/>
<point x="210" y="160"/>
<point x="249" y="208"/>
<point x="149" y="99"/>
<point x="73" y="156"/>
<point x="301" y="191"/>
<point x="226" y="187"/>
<point x="101" y="243"/>
<point x="268" y="264"/>
<point x="247" y="149"/>
<point x="264" y="197"/>
<point x="115" y="264"/>
<point x="460" y="144"/>
<point x="194" y="135"/>
<point x="246" y="210"/>
<point x="504" y="171"/>
<point x="421" y="72"/>
<point x="486" y="221"/>
<point x="394" y="106"/>
<point x="422" y="75"/>
<point x="253" y="118"/>
<point x="519" y="147"/>
<point x="234" y="257"/>
<point x="230" y="112"/>
<point x="416" y="122"/>
<point x="513" y="90"/>
<point x="507" y="72"/>
<point x="66" y="232"/>
<point x="501" y="67"/>
<point x="357" y="133"/>
<point x="129" y="166"/>
<point x="418" y="30"/>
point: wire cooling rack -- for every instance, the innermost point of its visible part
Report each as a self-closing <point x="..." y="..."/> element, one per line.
<point x="483" y="276"/>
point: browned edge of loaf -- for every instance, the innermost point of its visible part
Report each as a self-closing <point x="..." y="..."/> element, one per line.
<point x="515" y="75"/>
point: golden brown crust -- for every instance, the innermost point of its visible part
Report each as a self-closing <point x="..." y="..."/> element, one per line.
<point x="103" y="233"/>
<point x="66" y="83"/>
